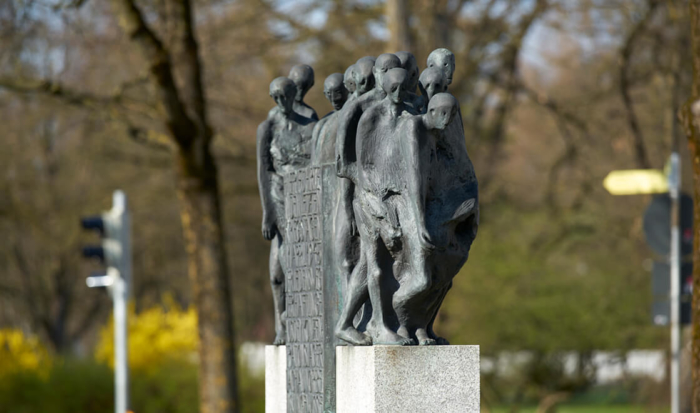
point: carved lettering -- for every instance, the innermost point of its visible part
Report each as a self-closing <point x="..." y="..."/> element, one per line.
<point x="304" y="290"/>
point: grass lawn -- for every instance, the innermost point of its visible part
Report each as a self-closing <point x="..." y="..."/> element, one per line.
<point x="591" y="408"/>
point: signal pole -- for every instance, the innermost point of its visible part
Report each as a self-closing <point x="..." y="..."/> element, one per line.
<point x="115" y="251"/>
<point x="674" y="184"/>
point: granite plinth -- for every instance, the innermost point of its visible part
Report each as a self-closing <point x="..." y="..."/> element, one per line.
<point x="275" y="379"/>
<point x="394" y="379"/>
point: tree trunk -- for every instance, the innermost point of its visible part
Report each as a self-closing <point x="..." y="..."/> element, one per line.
<point x="690" y="116"/>
<point x="197" y="189"/>
<point x="185" y="117"/>
<point x="399" y="34"/>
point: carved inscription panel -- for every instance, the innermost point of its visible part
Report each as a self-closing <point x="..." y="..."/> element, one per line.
<point x="302" y="252"/>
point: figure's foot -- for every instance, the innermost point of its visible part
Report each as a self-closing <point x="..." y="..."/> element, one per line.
<point x="354" y="337"/>
<point x="389" y="338"/>
<point x="440" y="341"/>
<point x="280" y="340"/>
<point x="424" y="338"/>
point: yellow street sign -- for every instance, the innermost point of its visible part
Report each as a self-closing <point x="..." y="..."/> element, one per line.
<point x="636" y="182"/>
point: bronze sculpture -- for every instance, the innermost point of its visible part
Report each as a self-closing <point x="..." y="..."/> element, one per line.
<point x="403" y="208"/>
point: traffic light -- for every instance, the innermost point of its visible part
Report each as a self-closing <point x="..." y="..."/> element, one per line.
<point x="114" y="250"/>
<point x="661" y="288"/>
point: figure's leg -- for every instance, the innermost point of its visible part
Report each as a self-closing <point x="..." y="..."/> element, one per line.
<point x="356" y="295"/>
<point x="379" y="305"/>
<point x="277" y="284"/>
<point x="344" y="229"/>
<point x="431" y="333"/>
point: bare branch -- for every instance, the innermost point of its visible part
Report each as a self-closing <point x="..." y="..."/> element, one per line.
<point x="642" y="158"/>
<point x="180" y="125"/>
<point x="58" y="91"/>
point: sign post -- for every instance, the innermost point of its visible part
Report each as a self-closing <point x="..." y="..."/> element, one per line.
<point x="653" y="181"/>
<point x="674" y="183"/>
<point x="115" y="252"/>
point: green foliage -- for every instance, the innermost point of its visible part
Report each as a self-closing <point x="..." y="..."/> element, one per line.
<point x="87" y="386"/>
<point x="71" y="386"/>
<point x="518" y="292"/>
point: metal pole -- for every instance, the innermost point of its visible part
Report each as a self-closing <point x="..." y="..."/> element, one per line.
<point x="121" y="370"/>
<point x="120" y="297"/>
<point x="674" y="189"/>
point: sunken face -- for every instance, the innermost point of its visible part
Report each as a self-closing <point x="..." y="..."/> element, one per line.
<point x="335" y="91"/>
<point x="303" y="78"/>
<point x="432" y="82"/>
<point x="349" y="79"/>
<point x="364" y="79"/>
<point x="283" y="91"/>
<point x="443" y="60"/>
<point x="441" y="110"/>
<point x="409" y="63"/>
<point x="384" y="63"/>
<point x="394" y="85"/>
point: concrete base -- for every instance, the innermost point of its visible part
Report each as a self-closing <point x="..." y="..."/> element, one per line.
<point x="392" y="379"/>
<point x="275" y="379"/>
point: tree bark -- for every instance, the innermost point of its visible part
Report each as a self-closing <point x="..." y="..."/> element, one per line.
<point x="399" y="33"/>
<point x="690" y="116"/>
<point x="197" y="188"/>
<point x="185" y="117"/>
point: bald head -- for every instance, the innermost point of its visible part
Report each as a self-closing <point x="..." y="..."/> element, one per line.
<point x="384" y="63"/>
<point x="441" y="111"/>
<point x="283" y="91"/>
<point x="364" y="78"/>
<point x="409" y="63"/>
<point x="349" y="79"/>
<point x="444" y="60"/>
<point x="394" y="84"/>
<point x="432" y="81"/>
<point x="303" y="78"/>
<point x="335" y="90"/>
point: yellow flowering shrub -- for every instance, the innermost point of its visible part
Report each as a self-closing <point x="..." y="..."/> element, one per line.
<point x="19" y="352"/>
<point x="156" y="335"/>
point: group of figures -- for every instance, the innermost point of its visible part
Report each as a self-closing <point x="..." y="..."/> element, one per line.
<point x="404" y="191"/>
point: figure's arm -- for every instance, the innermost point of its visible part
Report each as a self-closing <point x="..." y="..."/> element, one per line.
<point x="316" y="143"/>
<point x="265" y="170"/>
<point x="415" y="152"/>
<point x="345" y="140"/>
<point x="314" y="116"/>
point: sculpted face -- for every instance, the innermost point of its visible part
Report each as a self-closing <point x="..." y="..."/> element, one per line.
<point x="349" y="79"/>
<point x="394" y="84"/>
<point x="335" y="91"/>
<point x="384" y="63"/>
<point x="443" y="60"/>
<point x="409" y="63"/>
<point x="283" y="91"/>
<point x="432" y="82"/>
<point x="364" y="79"/>
<point x="441" y="110"/>
<point x="303" y="78"/>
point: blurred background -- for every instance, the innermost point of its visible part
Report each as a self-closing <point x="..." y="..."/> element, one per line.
<point x="555" y="94"/>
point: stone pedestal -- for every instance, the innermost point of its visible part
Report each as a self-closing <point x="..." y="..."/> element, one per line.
<point x="393" y="379"/>
<point x="275" y="379"/>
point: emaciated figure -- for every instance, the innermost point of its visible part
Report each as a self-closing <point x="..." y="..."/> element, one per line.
<point x="283" y="145"/>
<point x="431" y="82"/>
<point x="349" y="81"/>
<point x="323" y="137"/>
<point x="409" y="63"/>
<point x="447" y="188"/>
<point x="444" y="60"/>
<point x="303" y="78"/>
<point x="379" y="183"/>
